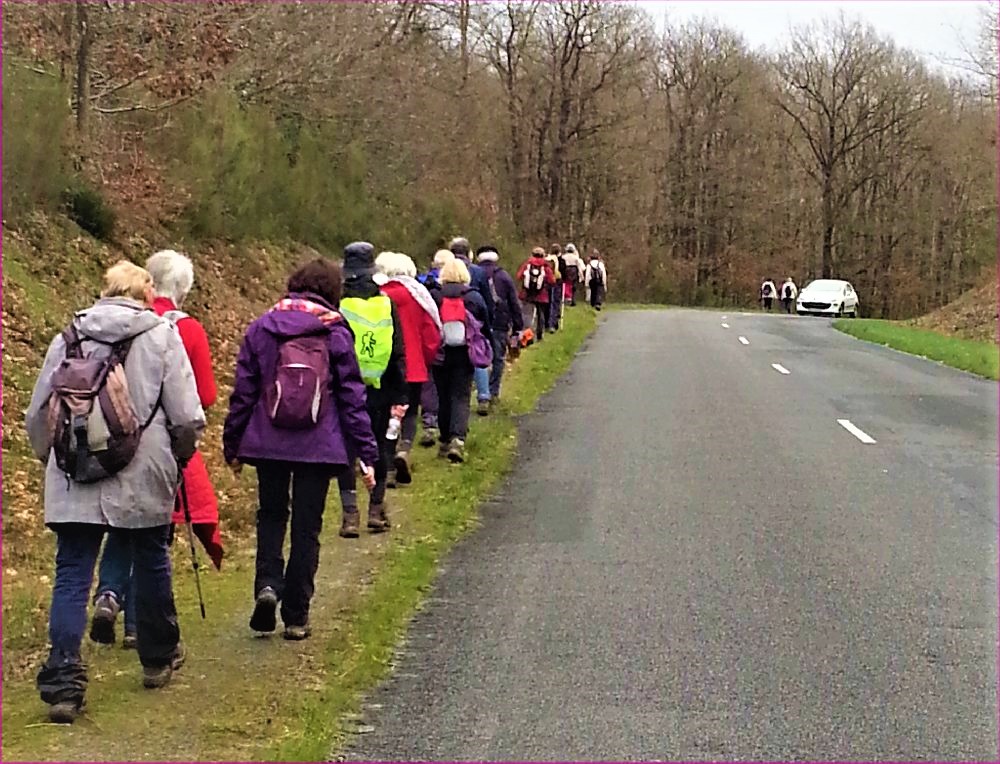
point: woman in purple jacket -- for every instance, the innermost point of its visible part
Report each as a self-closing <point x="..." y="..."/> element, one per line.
<point x="296" y="441"/>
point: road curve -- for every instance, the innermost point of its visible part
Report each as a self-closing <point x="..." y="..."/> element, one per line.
<point x="695" y="559"/>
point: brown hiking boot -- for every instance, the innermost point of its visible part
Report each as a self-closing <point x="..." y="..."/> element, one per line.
<point x="401" y="464"/>
<point x="155" y="677"/>
<point x="350" y="524"/>
<point x="378" y="521"/>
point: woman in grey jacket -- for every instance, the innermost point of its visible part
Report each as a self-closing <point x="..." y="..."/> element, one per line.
<point x="136" y="502"/>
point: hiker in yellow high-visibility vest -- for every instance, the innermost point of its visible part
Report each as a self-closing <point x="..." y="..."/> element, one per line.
<point x="378" y="341"/>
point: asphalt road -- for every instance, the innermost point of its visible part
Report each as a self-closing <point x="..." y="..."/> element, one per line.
<point x="694" y="559"/>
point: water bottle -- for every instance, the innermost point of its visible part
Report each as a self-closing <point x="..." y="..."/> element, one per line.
<point x="394" y="427"/>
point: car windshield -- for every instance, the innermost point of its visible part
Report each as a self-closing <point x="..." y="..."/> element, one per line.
<point x="825" y="285"/>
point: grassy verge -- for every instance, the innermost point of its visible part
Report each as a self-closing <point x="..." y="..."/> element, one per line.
<point x="240" y="698"/>
<point x="982" y="358"/>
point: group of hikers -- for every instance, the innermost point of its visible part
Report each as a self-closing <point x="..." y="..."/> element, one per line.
<point x="786" y="295"/>
<point x="330" y="382"/>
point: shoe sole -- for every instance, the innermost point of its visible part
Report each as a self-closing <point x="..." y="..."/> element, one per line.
<point x="297" y="637"/>
<point x="456" y="458"/>
<point x="264" y="619"/>
<point x="403" y="476"/>
<point x="102" y="628"/>
<point x="349" y="534"/>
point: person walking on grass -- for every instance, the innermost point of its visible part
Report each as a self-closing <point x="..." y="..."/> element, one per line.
<point x="421" y="326"/>
<point x="113" y="417"/>
<point x="536" y="277"/>
<point x="380" y="346"/>
<point x="507" y="316"/>
<point x="558" y="264"/>
<point x="173" y="277"/>
<point x="466" y="345"/>
<point x="428" y="398"/>
<point x="460" y="247"/>
<point x="573" y="276"/>
<point x="297" y="413"/>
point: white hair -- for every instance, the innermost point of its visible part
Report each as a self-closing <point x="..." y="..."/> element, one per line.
<point x="173" y="275"/>
<point x="396" y="264"/>
<point x="442" y="257"/>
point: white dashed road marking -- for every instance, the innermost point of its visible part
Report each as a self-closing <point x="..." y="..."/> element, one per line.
<point x="779" y="368"/>
<point x="857" y="433"/>
<point x="744" y="340"/>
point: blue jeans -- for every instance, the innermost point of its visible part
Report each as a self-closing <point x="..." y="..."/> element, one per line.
<point x="115" y="576"/>
<point x="482" y="379"/>
<point x="63" y="677"/>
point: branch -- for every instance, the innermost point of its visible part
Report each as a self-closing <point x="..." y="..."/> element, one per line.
<point x="121" y="86"/>
<point x="143" y="107"/>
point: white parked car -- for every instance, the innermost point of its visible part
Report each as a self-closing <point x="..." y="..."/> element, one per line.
<point x="828" y="297"/>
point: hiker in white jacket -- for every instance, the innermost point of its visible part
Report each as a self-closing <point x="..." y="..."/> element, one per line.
<point x="596" y="279"/>
<point x="788" y="294"/>
<point x="768" y="291"/>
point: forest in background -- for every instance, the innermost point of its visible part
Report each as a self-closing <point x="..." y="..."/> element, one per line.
<point x="695" y="163"/>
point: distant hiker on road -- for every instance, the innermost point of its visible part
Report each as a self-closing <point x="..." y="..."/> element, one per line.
<point x="788" y="294"/>
<point x="768" y="291"/>
<point x="535" y="278"/>
<point x="466" y="329"/>
<point x="297" y="414"/>
<point x="596" y="278"/>
<point x="112" y="467"/>
<point x="573" y="277"/>
<point x="421" y="324"/>
<point x="381" y="351"/>
<point x="507" y="316"/>
<point x="173" y="277"/>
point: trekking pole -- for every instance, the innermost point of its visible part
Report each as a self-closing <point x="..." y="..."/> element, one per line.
<point x="194" y="553"/>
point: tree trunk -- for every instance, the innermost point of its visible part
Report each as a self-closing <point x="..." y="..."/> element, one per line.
<point x="86" y="34"/>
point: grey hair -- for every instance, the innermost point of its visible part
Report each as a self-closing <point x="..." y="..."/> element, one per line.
<point x="459" y="244"/>
<point x="396" y="264"/>
<point x="173" y="275"/>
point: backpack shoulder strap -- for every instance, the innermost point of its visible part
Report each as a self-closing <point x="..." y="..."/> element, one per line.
<point x="173" y="316"/>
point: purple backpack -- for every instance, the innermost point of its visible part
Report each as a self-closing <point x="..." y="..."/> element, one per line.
<point x="300" y="391"/>
<point x="480" y="352"/>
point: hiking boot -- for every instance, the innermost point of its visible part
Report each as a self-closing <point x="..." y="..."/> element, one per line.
<point x="65" y="712"/>
<point x="402" y="467"/>
<point x="350" y="523"/>
<point x="102" y="625"/>
<point x="378" y="521"/>
<point x="483" y="409"/>
<point x="263" y="619"/>
<point x="443" y="449"/>
<point x="390" y="478"/>
<point x="297" y="633"/>
<point x="456" y="451"/>
<point x="155" y="677"/>
<point x="429" y="437"/>
<point x="130" y="641"/>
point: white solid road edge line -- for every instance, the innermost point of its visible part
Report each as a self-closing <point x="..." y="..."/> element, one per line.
<point x="725" y="326"/>
<point x="861" y="435"/>
<point x="744" y="340"/>
<point x="779" y="368"/>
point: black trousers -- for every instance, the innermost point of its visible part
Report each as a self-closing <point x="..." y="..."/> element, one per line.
<point x="541" y="319"/>
<point x="295" y="582"/>
<point x="454" y="385"/>
<point x="377" y="405"/>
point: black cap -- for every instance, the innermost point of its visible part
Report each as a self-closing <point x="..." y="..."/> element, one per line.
<point x="359" y="259"/>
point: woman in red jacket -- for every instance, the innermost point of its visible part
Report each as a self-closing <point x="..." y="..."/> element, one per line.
<point x="173" y="277"/>
<point x="421" y="324"/>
